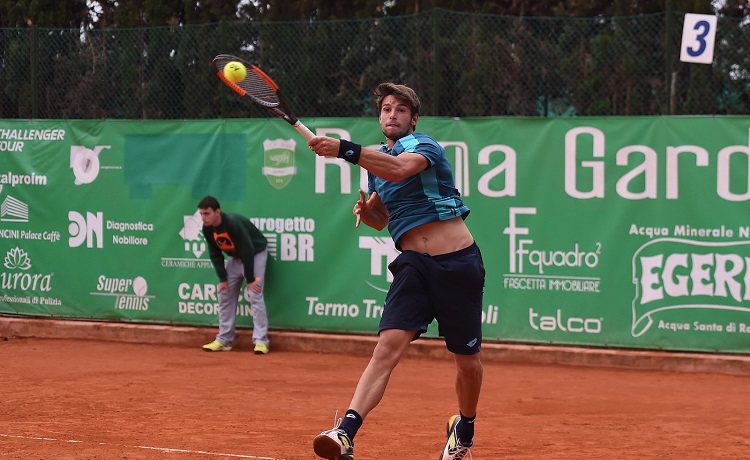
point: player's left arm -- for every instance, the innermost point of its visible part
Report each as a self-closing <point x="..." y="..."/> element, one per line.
<point x="371" y="211"/>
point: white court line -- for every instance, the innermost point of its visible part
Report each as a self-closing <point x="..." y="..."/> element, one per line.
<point x="160" y="449"/>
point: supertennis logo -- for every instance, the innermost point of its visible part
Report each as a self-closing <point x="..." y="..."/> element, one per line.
<point x="128" y="293"/>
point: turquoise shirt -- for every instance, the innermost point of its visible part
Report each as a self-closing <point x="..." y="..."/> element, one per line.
<point x="429" y="196"/>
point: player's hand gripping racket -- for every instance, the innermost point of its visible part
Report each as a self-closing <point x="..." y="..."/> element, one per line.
<point x="260" y="88"/>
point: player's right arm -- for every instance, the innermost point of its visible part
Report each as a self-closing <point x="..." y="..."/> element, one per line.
<point x="391" y="168"/>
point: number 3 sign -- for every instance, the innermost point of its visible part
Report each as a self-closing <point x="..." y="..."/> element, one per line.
<point x="698" y="36"/>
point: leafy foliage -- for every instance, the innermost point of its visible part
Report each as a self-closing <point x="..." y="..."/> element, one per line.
<point x="149" y="59"/>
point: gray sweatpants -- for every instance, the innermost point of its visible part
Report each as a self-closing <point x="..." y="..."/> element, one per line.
<point x="229" y="297"/>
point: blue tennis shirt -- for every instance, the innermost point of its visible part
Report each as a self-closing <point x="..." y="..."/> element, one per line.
<point x="427" y="197"/>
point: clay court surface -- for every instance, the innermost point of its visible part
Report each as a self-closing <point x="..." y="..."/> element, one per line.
<point x="83" y="399"/>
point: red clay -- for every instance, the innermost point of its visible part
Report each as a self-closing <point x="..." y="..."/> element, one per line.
<point x="131" y="401"/>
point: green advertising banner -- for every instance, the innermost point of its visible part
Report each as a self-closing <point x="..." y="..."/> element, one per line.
<point x="604" y="232"/>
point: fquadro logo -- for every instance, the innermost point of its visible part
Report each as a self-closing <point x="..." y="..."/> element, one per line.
<point x="128" y="293"/>
<point x="681" y="274"/>
<point x="278" y="161"/>
<point x="535" y="268"/>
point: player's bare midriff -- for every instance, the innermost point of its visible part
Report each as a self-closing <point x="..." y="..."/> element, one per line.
<point x="436" y="238"/>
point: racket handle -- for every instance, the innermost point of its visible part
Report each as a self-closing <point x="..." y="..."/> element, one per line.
<point x="303" y="130"/>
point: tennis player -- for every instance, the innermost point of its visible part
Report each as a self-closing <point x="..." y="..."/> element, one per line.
<point x="439" y="273"/>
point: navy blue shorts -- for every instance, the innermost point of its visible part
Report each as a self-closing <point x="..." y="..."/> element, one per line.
<point x="448" y="288"/>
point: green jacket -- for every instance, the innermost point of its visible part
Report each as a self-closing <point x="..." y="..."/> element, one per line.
<point x="237" y="237"/>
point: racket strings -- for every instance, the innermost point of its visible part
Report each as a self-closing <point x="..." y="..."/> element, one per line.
<point x="254" y="84"/>
<point x="257" y="88"/>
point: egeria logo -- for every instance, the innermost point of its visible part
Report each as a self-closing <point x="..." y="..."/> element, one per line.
<point x="278" y="161"/>
<point x="674" y="273"/>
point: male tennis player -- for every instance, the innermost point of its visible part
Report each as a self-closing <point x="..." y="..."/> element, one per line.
<point x="245" y="245"/>
<point x="438" y="275"/>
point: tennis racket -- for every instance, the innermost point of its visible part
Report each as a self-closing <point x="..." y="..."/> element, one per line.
<point x="261" y="89"/>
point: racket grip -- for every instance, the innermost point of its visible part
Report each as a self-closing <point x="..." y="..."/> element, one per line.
<point x="303" y="130"/>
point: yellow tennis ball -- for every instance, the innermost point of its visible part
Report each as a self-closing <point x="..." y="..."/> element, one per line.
<point x="235" y="71"/>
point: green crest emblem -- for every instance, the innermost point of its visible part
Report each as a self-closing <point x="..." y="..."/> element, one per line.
<point x="278" y="161"/>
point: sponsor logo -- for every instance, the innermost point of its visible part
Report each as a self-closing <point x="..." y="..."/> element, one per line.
<point x="89" y="230"/>
<point x="13" y="179"/>
<point x="382" y="252"/>
<point x="558" y="322"/>
<point x="680" y="274"/>
<point x="128" y="293"/>
<point x="13" y="210"/>
<point x="289" y="238"/>
<point x="193" y="245"/>
<point x="563" y="269"/>
<point x="19" y="276"/>
<point x="85" y="163"/>
<point x="14" y="140"/>
<point x="278" y="161"/>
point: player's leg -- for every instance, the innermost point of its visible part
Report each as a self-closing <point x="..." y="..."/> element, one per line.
<point x="392" y="344"/>
<point x="469" y="374"/>
<point x="258" y="305"/>
<point x="406" y="315"/>
<point x="459" y="315"/>
<point x="338" y="443"/>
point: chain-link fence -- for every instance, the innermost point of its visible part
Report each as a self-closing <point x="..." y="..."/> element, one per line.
<point x="463" y="65"/>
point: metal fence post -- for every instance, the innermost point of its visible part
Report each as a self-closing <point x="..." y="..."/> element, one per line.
<point x="668" y="56"/>
<point x="435" y="63"/>
<point x="34" y="81"/>
<point x="222" y="47"/>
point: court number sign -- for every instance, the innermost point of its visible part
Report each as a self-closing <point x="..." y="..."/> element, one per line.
<point x="698" y="35"/>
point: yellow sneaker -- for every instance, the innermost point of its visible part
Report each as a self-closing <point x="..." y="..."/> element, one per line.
<point x="261" y="349"/>
<point x="455" y="449"/>
<point x="216" y="346"/>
